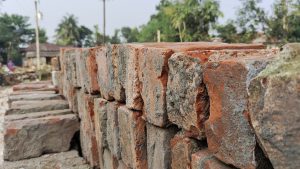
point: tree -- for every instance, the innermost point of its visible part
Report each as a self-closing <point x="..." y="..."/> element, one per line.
<point x="15" y="32"/>
<point x="193" y="19"/>
<point x="85" y="37"/>
<point x="68" y="31"/>
<point x="228" y="32"/>
<point x="130" y="34"/>
<point x="284" y="25"/>
<point x="251" y="19"/>
<point x="160" y="21"/>
<point x="115" y="39"/>
<point x="42" y="36"/>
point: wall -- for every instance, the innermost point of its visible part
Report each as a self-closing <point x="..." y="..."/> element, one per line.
<point x="185" y="105"/>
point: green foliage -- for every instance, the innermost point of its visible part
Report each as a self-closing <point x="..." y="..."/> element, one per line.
<point x="42" y="36"/>
<point x="67" y="32"/>
<point x="228" y="32"/>
<point x="284" y="25"/>
<point x="160" y="21"/>
<point x="251" y="19"/>
<point x="15" y="32"/>
<point x="130" y="34"/>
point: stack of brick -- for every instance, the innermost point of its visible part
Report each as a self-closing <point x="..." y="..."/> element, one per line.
<point x="173" y="105"/>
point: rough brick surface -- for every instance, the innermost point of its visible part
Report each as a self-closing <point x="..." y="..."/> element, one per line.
<point x="274" y="108"/>
<point x="24" y="107"/>
<point x="182" y="149"/>
<point x="30" y="138"/>
<point x="100" y="109"/>
<point x="132" y="130"/>
<point x="88" y="71"/>
<point x="228" y="131"/>
<point x="132" y="83"/>
<point x="110" y="162"/>
<point x="187" y="98"/>
<point x="203" y="159"/>
<point x="105" y="72"/>
<point x="159" y="147"/>
<point x="153" y="74"/>
<point x="65" y="160"/>
<point x="88" y="139"/>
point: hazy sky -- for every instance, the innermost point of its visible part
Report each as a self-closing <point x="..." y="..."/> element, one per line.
<point x="119" y="12"/>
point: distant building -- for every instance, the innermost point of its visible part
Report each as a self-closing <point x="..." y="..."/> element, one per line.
<point x="47" y="52"/>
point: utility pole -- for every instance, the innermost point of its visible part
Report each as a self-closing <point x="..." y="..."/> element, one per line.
<point x="104" y="20"/>
<point x="37" y="39"/>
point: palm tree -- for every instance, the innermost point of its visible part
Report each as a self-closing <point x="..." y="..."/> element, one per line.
<point x="68" y="31"/>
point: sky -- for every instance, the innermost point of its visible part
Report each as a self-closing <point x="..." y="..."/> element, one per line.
<point x="119" y="13"/>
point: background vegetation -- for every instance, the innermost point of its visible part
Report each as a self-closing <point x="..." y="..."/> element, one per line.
<point x="177" y="21"/>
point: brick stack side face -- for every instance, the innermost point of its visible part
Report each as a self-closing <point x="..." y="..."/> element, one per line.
<point x="167" y="105"/>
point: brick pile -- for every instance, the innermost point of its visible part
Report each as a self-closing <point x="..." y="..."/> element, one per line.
<point x="184" y="105"/>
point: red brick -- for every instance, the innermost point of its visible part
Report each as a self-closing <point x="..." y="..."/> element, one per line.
<point x="111" y="62"/>
<point x="182" y="149"/>
<point x="100" y="109"/>
<point x="228" y="131"/>
<point x="159" y="147"/>
<point x="132" y="83"/>
<point x="87" y="130"/>
<point x="132" y="138"/>
<point x="88" y="70"/>
<point x="274" y="104"/>
<point x="203" y="159"/>
<point x="153" y="74"/>
<point x="110" y="162"/>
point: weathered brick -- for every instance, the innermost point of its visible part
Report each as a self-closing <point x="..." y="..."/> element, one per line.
<point x="274" y="103"/>
<point x="182" y="149"/>
<point x="132" y="129"/>
<point x="100" y="109"/>
<point x="88" y="71"/>
<point x="132" y="84"/>
<point x="159" y="147"/>
<point x="187" y="98"/>
<point x="87" y="130"/>
<point x="203" y="159"/>
<point x="32" y="136"/>
<point x="106" y="125"/>
<point x="153" y="74"/>
<point x="111" y="62"/>
<point x="121" y="165"/>
<point x="110" y="162"/>
<point x="228" y="131"/>
<point x="112" y="129"/>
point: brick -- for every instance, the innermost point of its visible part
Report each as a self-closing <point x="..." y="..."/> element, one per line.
<point x="228" y="131"/>
<point x="111" y="62"/>
<point x="274" y="105"/>
<point x="31" y="106"/>
<point x="121" y="165"/>
<point x="132" y="83"/>
<point x="70" y="66"/>
<point x="159" y="147"/>
<point x="112" y="129"/>
<point x="119" y="63"/>
<point x="88" y="71"/>
<point x="31" y="137"/>
<point x="100" y="109"/>
<point x="88" y="139"/>
<point x="132" y="130"/>
<point x="187" y="98"/>
<point x="182" y="149"/>
<point x="110" y="162"/>
<point x="106" y="126"/>
<point x="153" y="74"/>
<point x="203" y="159"/>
